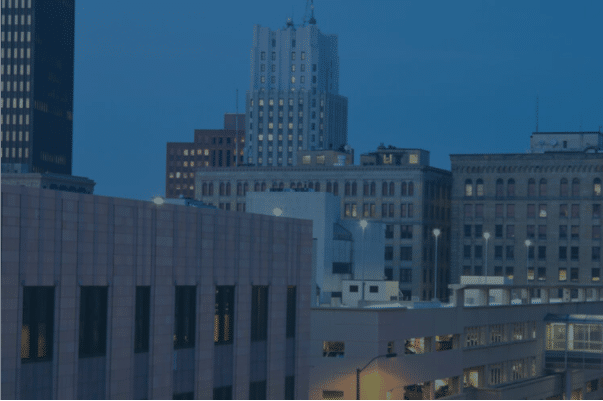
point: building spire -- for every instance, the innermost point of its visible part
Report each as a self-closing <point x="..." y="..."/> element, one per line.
<point x="312" y="20"/>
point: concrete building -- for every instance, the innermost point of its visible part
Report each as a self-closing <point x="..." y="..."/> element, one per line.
<point x="293" y="102"/>
<point x="542" y="211"/>
<point x="343" y="250"/>
<point x="60" y="182"/>
<point x="107" y="298"/>
<point x="393" y="186"/>
<point x="459" y="351"/>
<point x="211" y="148"/>
<point x="37" y="86"/>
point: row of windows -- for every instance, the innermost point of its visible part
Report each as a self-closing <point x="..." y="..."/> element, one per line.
<point x="405" y="253"/>
<point x="20" y="119"/>
<point x="24" y="53"/>
<point x="16" y="3"/>
<point x="540" y="273"/>
<point x="369" y="210"/>
<point x="302" y="54"/>
<point x="476" y="231"/>
<point x="23" y="36"/>
<point x="477" y="210"/>
<point x="38" y="319"/>
<point x="15" y="152"/>
<point x="564" y="187"/>
<point x="17" y="135"/>
<point x="405" y="231"/>
<point x="16" y="103"/>
<point x="281" y="102"/>
<point x="477" y="252"/>
<point x="8" y="20"/>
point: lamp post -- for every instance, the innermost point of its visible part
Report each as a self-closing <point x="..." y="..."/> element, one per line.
<point x="363" y="224"/>
<point x="358" y="370"/>
<point x="436" y="233"/>
<point x="486" y="237"/>
<point x="528" y="244"/>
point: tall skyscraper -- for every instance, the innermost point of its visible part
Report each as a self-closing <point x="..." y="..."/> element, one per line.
<point x="293" y="102"/>
<point x="37" y="85"/>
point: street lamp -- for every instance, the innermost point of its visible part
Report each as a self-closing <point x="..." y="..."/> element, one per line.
<point x="392" y="355"/>
<point x="528" y="244"/>
<point x="363" y="224"/>
<point x="436" y="233"/>
<point x="158" y="200"/>
<point x="486" y="237"/>
<point x="277" y="211"/>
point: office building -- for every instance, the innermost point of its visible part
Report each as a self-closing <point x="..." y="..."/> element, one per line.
<point x="108" y="298"/>
<point x="542" y="211"/>
<point x="393" y="186"/>
<point x="293" y="102"/>
<point x="37" y="86"/>
<point x="211" y="148"/>
<point x="521" y="348"/>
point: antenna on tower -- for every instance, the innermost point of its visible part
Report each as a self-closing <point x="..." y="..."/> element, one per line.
<point x="311" y="20"/>
<point x="536" y="113"/>
<point x="237" y="131"/>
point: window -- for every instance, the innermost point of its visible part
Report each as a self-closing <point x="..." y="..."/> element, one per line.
<point x="142" y="319"/>
<point x="575" y="187"/>
<point x="596" y="253"/>
<point x="511" y="188"/>
<point x="542" y="187"/>
<point x="93" y="321"/>
<point x="292" y="55"/>
<point x="497" y="333"/>
<point x="38" y="324"/>
<point x="223" y="393"/>
<point x="562" y="232"/>
<point x="541" y="252"/>
<point x="509" y="272"/>
<point x="263" y="56"/>
<point x="479" y="210"/>
<point x="405" y="253"/>
<point x="531" y="187"/>
<point x="596" y="211"/>
<point x="405" y="275"/>
<point x="563" y="210"/>
<point x="499" y="188"/>
<point x="479" y="187"/>
<point x="562" y="252"/>
<point x="405" y="231"/>
<point x="353" y="288"/>
<point x="498" y="231"/>
<point x="389" y="253"/>
<point x="597" y="187"/>
<point x="373" y="289"/>
<point x="511" y="211"/>
<point x="389" y="231"/>
<point x="332" y="395"/>
<point x="530" y="231"/>
<point x="510" y="231"/>
<point x="478" y="230"/>
<point x="574" y="274"/>
<point x="259" y="313"/>
<point x="541" y="232"/>
<point x="468" y="188"/>
<point x="575" y="252"/>
<point x="185" y="316"/>
<point x="562" y="274"/>
<point x="224" y="315"/>
<point x="416" y="346"/>
<point x="596" y="231"/>
<point x="290" y="388"/>
<point x="388" y="272"/>
<point x="510" y="254"/>
<point x="542" y="211"/>
<point x="563" y="187"/>
<point x="467" y="230"/>
<point x="542" y="274"/>
<point x="575" y="232"/>
<point x="478" y="251"/>
<point x="498" y="210"/>
<point x="474" y="336"/>
<point x="498" y="252"/>
<point x="595" y="274"/>
<point x="333" y="349"/>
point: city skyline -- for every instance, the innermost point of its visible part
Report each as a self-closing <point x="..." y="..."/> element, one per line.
<point x="145" y="77"/>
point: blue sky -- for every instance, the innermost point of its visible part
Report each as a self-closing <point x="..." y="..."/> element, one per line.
<point x="446" y="76"/>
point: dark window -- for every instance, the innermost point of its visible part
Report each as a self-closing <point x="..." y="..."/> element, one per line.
<point x="223" y="393"/>
<point x="479" y="210"/>
<point x="575" y="211"/>
<point x="467" y="251"/>
<point x="511" y="188"/>
<point x="562" y="232"/>
<point x="342" y="268"/>
<point x="478" y="231"/>
<point x="595" y="274"/>
<point x="93" y="321"/>
<point x="563" y="187"/>
<point x="405" y="253"/>
<point x="289" y="387"/>
<point x="498" y="252"/>
<point x="498" y="210"/>
<point x="405" y="231"/>
<point x="511" y="231"/>
<point x="291" y="310"/>
<point x="389" y="231"/>
<point x="498" y="271"/>
<point x="509" y="272"/>
<point x="542" y="252"/>
<point x="142" y="319"/>
<point x="542" y="273"/>
<point x="531" y="212"/>
<point x="478" y="252"/>
<point x="575" y="187"/>
<point x="257" y="390"/>
<point x="511" y="211"/>
<point x="389" y="253"/>
<point x="596" y="211"/>
<point x="531" y="231"/>
<point x="498" y="231"/>
<point x="596" y="231"/>
<point x="38" y="324"/>
<point x="373" y="288"/>
<point x="542" y="187"/>
<point x="405" y="275"/>
<point x="467" y="230"/>
<point x="184" y="316"/>
<point x="575" y="232"/>
<point x="224" y="314"/>
<point x="499" y="187"/>
<point x="531" y="187"/>
<point x="541" y="232"/>
<point x="259" y="313"/>
<point x="574" y="274"/>
<point x="468" y="211"/>
<point x="563" y="210"/>
<point x="388" y="272"/>
<point x="353" y="288"/>
<point x="510" y="252"/>
<point x="596" y="253"/>
<point x="575" y="252"/>
<point x="562" y="252"/>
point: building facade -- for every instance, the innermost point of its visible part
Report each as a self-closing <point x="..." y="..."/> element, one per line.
<point x="541" y="209"/>
<point x="293" y="102"/>
<point x="211" y="148"/>
<point x="107" y="298"/>
<point x="37" y="86"/>
<point x="396" y="187"/>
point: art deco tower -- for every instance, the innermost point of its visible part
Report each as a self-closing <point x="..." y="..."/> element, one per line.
<point x="37" y="85"/>
<point x="293" y="102"/>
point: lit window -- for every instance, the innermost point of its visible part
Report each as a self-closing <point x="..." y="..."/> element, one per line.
<point x="185" y="164"/>
<point x="292" y="55"/>
<point x="290" y="125"/>
<point x="292" y="80"/>
<point x="261" y="102"/>
<point x="468" y="188"/>
<point x="171" y="175"/>
<point x="185" y="152"/>
<point x="293" y="68"/>
<point x="542" y="211"/>
<point x="320" y="159"/>
<point x="206" y="152"/>
<point x="177" y="174"/>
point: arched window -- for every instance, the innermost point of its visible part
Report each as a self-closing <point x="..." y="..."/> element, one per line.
<point x="204" y="189"/>
<point x="329" y="187"/>
<point x="256" y="187"/>
<point x="274" y="185"/>
<point x="299" y="185"/>
<point x="384" y="191"/>
<point x="210" y="189"/>
<point x="335" y="188"/>
<point x="597" y="187"/>
<point x="348" y="188"/>
<point x="542" y="187"/>
<point x="403" y="189"/>
<point x="263" y="186"/>
<point x="292" y="185"/>
<point x="531" y="187"/>
<point x="511" y="188"/>
<point x="245" y="188"/>
<point x="392" y="188"/>
<point x="499" y="187"/>
<point x="411" y="188"/>
<point x="563" y="187"/>
<point x="354" y="188"/>
<point x="575" y="187"/>
<point x="228" y="189"/>
<point x="281" y="185"/>
<point x="373" y="188"/>
<point x="317" y="186"/>
<point x="221" y="189"/>
<point x="365" y="188"/>
<point x="479" y="187"/>
<point x="239" y="189"/>
<point x="468" y="188"/>
<point x="311" y="185"/>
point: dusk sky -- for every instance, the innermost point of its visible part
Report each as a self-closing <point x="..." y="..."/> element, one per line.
<point x="445" y="76"/>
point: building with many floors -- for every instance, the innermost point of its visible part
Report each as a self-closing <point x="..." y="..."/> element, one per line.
<point x="293" y="102"/>
<point x="542" y="211"/>
<point x="108" y="298"/>
<point x="393" y="186"/>
<point x="211" y="148"/>
<point x="37" y="86"/>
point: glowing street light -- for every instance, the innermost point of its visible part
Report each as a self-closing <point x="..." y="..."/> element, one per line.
<point x="277" y="211"/>
<point x="363" y="224"/>
<point x="436" y="233"/>
<point x="486" y="237"/>
<point x="158" y="200"/>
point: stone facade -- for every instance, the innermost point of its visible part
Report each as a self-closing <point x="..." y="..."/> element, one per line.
<point x="61" y="182"/>
<point x="72" y="243"/>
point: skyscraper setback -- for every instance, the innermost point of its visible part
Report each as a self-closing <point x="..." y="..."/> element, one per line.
<point x="37" y="85"/>
<point x="293" y="102"/>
